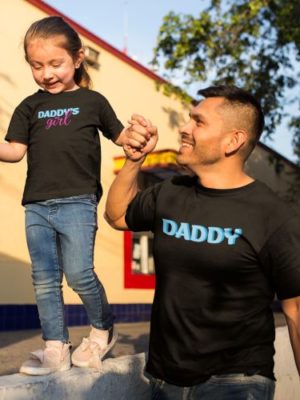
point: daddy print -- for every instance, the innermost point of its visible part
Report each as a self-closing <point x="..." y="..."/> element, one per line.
<point x="201" y="233"/>
<point x="58" y="117"/>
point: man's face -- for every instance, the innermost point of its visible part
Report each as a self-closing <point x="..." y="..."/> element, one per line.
<point x="203" y="136"/>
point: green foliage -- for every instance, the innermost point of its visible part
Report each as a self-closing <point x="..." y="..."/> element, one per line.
<point x="254" y="44"/>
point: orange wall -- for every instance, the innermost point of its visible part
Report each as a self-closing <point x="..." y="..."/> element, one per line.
<point x="129" y="90"/>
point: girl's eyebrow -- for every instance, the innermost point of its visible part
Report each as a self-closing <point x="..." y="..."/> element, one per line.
<point x="51" y="61"/>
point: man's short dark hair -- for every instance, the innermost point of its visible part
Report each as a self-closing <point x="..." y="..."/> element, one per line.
<point x="239" y="97"/>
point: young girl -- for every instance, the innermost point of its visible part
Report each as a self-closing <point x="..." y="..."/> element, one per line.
<point x="58" y="128"/>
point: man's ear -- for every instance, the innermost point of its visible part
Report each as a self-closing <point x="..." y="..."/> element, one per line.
<point x="236" y="140"/>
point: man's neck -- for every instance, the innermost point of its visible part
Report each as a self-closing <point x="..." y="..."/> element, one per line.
<point x="218" y="178"/>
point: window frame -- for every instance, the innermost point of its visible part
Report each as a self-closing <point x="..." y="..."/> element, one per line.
<point x="131" y="280"/>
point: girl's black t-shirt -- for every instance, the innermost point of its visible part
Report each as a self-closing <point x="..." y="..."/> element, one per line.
<point x="220" y="257"/>
<point x="62" y="134"/>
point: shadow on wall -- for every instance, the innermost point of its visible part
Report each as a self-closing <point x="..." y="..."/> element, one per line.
<point x="176" y="119"/>
<point x="6" y="108"/>
<point x="15" y="281"/>
<point x="17" y="302"/>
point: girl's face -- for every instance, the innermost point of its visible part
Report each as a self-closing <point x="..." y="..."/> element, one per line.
<point x="52" y="67"/>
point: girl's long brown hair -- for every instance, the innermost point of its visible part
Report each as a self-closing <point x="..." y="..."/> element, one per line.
<point x="56" y="26"/>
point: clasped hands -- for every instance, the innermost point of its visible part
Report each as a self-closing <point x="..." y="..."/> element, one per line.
<point x="140" y="138"/>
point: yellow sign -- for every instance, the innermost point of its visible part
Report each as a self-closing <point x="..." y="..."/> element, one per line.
<point x="157" y="159"/>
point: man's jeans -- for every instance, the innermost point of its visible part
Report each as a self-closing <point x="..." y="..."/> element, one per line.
<point x="61" y="236"/>
<point x="218" y="387"/>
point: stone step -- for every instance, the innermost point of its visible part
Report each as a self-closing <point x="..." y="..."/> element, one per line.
<point x="122" y="379"/>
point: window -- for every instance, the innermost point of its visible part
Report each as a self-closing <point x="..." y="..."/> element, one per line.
<point x="138" y="260"/>
<point x="142" y="254"/>
<point x="91" y="56"/>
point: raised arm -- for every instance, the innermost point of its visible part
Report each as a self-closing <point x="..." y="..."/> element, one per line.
<point x="12" y="151"/>
<point x="291" y="309"/>
<point x="125" y="187"/>
<point x="121" y="192"/>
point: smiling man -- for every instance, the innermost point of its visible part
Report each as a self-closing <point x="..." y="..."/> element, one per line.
<point x="224" y="245"/>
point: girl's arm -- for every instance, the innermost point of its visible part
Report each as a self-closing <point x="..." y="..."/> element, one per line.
<point x="12" y="151"/>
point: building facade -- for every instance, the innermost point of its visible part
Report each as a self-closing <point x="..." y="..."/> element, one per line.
<point x="123" y="261"/>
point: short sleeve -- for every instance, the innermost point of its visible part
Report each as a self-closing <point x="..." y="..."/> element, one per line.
<point x="281" y="258"/>
<point x="110" y="125"/>
<point x="140" y="215"/>
<point x="19" y="126"/>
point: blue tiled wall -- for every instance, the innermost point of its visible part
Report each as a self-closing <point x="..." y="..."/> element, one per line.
<point x="17" y="317"/>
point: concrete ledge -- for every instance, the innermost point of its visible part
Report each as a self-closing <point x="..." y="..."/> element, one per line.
<point x="122" y="378"/>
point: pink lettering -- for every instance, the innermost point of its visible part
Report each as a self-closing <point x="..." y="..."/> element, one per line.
<point x="61" y="121"/>
<point x="49" y="123"/>
<point x="67" y="117"/>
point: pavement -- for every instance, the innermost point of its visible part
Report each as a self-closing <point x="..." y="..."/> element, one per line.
<point x="133" y="338"/>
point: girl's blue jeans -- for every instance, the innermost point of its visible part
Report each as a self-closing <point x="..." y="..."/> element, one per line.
<point x="217" y="387"/>
<point x="61" y="236"/>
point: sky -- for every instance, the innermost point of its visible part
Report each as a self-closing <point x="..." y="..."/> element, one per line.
<point x="135" y="24"/>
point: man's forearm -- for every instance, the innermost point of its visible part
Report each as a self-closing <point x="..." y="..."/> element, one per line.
<point x="295" y="342"/>
<point x="291" y="309"/>
<point x="122" y="191"/>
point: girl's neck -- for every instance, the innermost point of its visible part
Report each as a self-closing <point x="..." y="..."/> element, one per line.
<point x="75" y="87"/>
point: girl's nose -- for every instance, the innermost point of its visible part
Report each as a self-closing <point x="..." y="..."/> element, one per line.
<point x="47" y="74"/>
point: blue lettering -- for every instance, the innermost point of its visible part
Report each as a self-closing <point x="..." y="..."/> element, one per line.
<point x="169" y="227"/>
<point x="232" y="237"/>
<point x="58" y="113"/>
<point x="183" y="231"/>
<point x="199" y="233"/>
<point x="215" y="235"/>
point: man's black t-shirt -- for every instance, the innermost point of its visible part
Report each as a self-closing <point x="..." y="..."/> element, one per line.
<point x="61" y="131"/>
<point x="220" y="256"/>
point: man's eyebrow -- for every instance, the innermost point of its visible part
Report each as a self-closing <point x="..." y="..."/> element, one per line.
<point x="197" y="116"/>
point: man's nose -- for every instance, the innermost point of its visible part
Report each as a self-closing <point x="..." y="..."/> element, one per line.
<point x="185" y="128"/>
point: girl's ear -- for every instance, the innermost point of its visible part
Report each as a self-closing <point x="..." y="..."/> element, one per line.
<point x="236" y="140"/>
<point x="79" y="58"/>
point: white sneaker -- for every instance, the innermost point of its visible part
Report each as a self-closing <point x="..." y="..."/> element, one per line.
<point x="90" y="353"/>
<point x="55" y="357"/>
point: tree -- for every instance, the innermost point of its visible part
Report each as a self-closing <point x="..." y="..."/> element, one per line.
<point x="254" y="44"/>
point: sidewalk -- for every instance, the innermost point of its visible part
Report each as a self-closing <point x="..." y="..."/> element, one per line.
<point x="133" y="338"/>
